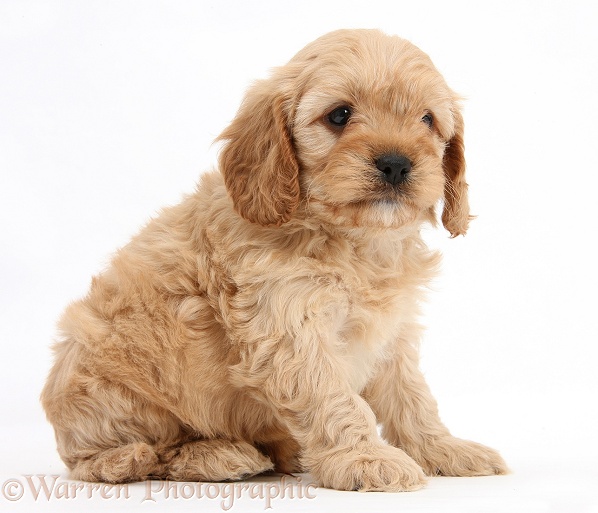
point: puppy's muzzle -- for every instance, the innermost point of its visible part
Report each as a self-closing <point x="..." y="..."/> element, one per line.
<point x="395" y="168"/>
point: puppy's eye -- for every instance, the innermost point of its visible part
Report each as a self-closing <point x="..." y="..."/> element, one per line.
<point x="339" y="117"/>
<point x="428" y="120"/>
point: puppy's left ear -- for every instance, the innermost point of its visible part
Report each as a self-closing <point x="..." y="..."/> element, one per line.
<point x="455" y="214"/>
<point x="258" y="161"/>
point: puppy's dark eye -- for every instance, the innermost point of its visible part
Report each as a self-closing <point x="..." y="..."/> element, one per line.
<point x="339" y="117"/>
<point x="428" y="120"/>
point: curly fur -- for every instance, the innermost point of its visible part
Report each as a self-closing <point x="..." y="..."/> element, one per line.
<point x="270" y="319"/>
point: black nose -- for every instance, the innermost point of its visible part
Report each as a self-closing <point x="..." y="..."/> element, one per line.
<point x="395" y="167"/>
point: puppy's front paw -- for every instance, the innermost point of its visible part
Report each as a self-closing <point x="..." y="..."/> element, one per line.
<point x="374" y="468"/>
<point x="449" y="456"/>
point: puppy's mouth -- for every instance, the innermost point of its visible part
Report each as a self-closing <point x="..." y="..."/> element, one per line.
<point x="382" y="195"/>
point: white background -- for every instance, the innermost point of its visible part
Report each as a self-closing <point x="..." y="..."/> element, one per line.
<point x="107" y="113"/>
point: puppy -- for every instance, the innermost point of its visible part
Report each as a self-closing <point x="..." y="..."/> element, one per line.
<point x="269" y="321"/>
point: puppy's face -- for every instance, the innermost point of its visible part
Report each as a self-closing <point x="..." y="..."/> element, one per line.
<point x="360" y="129"/>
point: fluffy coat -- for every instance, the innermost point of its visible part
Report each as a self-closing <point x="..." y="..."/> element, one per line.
<point x="269" y="321"/>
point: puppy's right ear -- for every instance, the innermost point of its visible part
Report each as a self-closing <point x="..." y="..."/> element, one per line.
<point x="258" y="161"/>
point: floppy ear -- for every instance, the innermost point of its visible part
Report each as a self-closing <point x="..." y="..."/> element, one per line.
<point x="455" y="214"/>
<point x="258" y="161"/>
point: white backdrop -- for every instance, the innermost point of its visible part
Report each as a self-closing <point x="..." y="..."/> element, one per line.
<point x="107" y="113"/>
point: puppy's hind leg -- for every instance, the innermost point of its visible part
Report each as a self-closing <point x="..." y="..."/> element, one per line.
<point x="107" y="433"/>
<point x="202" y="460"/>
<point x="213" y="460"/>
<point x="131" y="462"/>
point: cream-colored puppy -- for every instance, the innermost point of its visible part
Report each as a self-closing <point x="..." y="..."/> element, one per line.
<point x="270" y="319"/>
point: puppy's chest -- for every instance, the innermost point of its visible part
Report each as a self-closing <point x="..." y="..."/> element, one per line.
<point x="379" y="307"/>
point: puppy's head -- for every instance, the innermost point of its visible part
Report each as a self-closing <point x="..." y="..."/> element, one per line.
<point x="359" y="130"/>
